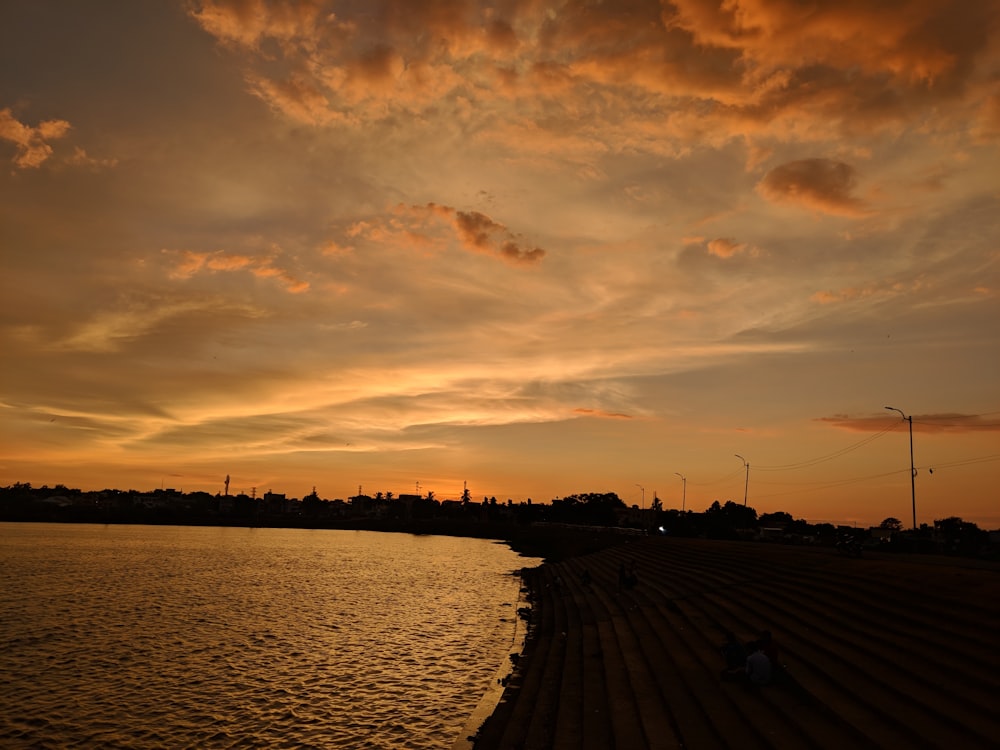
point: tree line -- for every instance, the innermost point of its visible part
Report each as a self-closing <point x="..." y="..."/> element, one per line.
<point x="465" y="516"/>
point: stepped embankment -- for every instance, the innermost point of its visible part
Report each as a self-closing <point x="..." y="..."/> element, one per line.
<point x="875" y="652"/>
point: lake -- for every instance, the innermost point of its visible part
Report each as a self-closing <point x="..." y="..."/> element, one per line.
<point x="169" y="637"/>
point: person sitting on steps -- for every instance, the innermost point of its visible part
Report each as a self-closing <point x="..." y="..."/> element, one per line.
<point x="734" y="653"/>
<point x="758" y="666"/>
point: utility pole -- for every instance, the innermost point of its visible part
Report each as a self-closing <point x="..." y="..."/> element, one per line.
<point x="913" y="471"/>
<point x="684" y="490"/>
<point x="746" y="485"/>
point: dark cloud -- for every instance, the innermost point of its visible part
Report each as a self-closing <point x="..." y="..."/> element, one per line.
<point x="475" y="228"/>
<point x="476" y="231"/>
<point x="479" y="232"/>
<point x="820" y="184"/>
<point x="511" y="251"/>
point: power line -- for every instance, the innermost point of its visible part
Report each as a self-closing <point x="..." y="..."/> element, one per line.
<point x="721" y="480"/>
<point x="895" y="425"/>
<point x="836" y="454"/>
<point x="967" y="461"/>
<point x="804" y="464"/>
<point x="854" y="480"/>
<point x="838" y="483"/>
<point x="964" y="425"/>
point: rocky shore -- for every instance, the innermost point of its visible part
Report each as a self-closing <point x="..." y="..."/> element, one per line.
<point x="880" y="651"/>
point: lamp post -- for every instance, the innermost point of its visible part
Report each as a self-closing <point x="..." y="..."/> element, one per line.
<point x="746" y="485"/>
<point x="643" y="495"/>
<point x="913" y="471"/>
<point x="684" y="489"/>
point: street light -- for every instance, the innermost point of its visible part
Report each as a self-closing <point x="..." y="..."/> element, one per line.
<point x="746" y="485"/>
<point x="643" y="495"/>
<point x="684" y="489"/>
<point x="913" y="471"/>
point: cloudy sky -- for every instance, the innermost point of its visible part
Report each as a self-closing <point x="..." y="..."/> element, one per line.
<point x="537" y="247"/>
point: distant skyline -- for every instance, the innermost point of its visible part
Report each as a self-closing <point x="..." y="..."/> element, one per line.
<point x="541" y="248"/>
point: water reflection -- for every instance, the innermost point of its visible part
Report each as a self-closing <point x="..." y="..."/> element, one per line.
<point x="133" y="636"/>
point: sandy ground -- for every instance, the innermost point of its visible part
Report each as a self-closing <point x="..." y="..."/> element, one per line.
<point x="879" y="651"/>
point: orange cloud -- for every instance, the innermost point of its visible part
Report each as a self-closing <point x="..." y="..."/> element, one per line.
<point x="298" y="97"/>
<point x="248" y="23"/>
<point x="600" y="413"/>
<point x="81" y="158"/>
<point x="293" y="285"/>
<point x="882" y="289"/>
<point x="479" y="232"/>
<point x="588" y="78"/>
<point x="188" y="265"/>
<point x="191" y="263"/>
<point x="928" y="423"/>
<point x="847" y="294"/>
<point x="820" y="184"/>
<point x="32" y="144"/>
<point x="227" y="262"/>
<point x="987" y="124"/>
<point x="336" y="250"/>
<point x="915" y="41"/>
<point x="475" y="231"/>
<point x="725" y="247"/>
<point x="319" y="65"/>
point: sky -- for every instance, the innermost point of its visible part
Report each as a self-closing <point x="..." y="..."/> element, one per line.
<point x="682" y="250"/>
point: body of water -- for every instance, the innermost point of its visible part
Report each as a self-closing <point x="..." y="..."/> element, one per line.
<point x="171" y="637"/>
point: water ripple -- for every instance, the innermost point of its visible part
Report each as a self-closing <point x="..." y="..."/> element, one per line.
<point x="143" y="637"/>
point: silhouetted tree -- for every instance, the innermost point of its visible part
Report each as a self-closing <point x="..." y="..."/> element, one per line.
<point x="892" y="524"/>
<point x="778" y="518"/>
<point x="594" y="508"/>
<point x="721" y="521"/>
<point x="959" y="537"/>
<point x="425" y="507"/>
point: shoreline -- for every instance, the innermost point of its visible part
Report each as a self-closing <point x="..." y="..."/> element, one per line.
<point x="489" y="701"/>
<point x="550" y="543"/>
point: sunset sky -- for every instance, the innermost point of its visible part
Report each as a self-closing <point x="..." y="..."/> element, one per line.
<point x="537" y="247"/>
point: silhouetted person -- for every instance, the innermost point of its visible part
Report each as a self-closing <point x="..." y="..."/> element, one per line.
<point x="758" y="666"/>
<point x="734" y="653"/>
<point x="631" y="576"/>
<point x="769" y="647"/>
